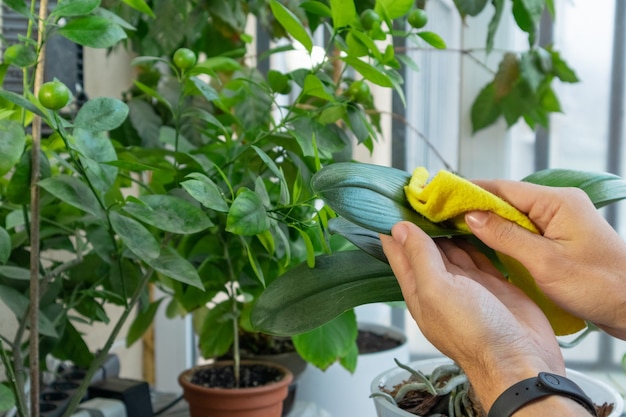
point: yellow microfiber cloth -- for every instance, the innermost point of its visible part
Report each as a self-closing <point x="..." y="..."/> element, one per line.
<point x="447" y="197"/>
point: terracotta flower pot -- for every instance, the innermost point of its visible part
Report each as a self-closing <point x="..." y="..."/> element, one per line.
<point x="261" y="401"/>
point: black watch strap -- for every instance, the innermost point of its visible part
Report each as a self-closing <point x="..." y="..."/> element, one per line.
<point x="532" y="389"/>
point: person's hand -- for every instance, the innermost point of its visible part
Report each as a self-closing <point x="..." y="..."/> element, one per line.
<point x="578" y="260"/>
<point x="466" y="308"/>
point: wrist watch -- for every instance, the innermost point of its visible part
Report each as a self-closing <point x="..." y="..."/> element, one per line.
<point x="532" y="389"/>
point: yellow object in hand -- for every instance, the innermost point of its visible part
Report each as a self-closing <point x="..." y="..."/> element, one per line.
<point x="447" y="197"/>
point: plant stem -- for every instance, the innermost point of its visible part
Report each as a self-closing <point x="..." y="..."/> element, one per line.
<point x="33" y="356"/>
<point x="235" y="311"/>
<point x="17" y="391"/>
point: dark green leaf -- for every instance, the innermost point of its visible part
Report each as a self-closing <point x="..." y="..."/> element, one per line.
<point x="337" y="284"/>
<point x="485" y="110"/>
<point x="323" y="345"/>
<point x="12" y="141"/>
<point x="203" y="189"/>
<point x="529" y="71"/>
<point x="74" y="192"/>
<point x="366" y="240"/>
<point x="93" y="31"/>
<point x="75" y="8"/>
<point x="142" y="322"/>
<point x="135" y="236"/>
<point x="292" y="24"/>
<point x="101" y="114"/>
<point x="5" y="246"/>
<point x="602" y="188"/>
<point x="15" y="272"/>
<point x="371" y="196"/>
<point x="21" y="177"/>
<point x="172" y="265"/>
<point x="19" y="6"/>
<point x="18" y="304"/>
<point x="358" y="123"/>
<point x="24" y="103"/>
<point x="215" y="330"/>
<point x="561" y="70"/>
<point x="96" y="148"/>
<point x="72" y="347"/>
<point x="169" y="213"/>
<point x="316" y="7"/>
<point x="247" y="216"/>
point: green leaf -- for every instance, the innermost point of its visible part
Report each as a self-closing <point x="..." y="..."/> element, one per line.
<point x="172" y="265"/>
<point x="169" y="213"/>
<point x="371" y="196"/>
<point x="432" y="39"/>
<point x="323" y="345"/>
<point x="7" y="400"/>
<point x="135" y="236"/>
<point x="142" y="322"/>
<point x="313" y="86"/>
<point x="18" y="5"/>
<point x="96" y="148"/>
<point x="368" y="71"/>
<point x="316" y="7"/>
<point x="203" y="189"/>
<point x="530" y="72"/>
<point x="393" y="9"/>
<point x="101" y="114"/>
<point x="561" y="70"/>
<point x="141" y="6"/>
<point x="24" y="103"/>
<point x="15" y="272"/>
<point x="602" y="188"/>
<point x="494" y="23"/>
<point x="337" y="284"/>
<point x="72" y="347"/>
<point x="18" y="304"/>
<point x="21" y="177"/>
<point x="470" y="7"/>
<point x="20" y="55"/>
<point x="247" y="216"/>
<point x="74" y="192"/>
<point x="343" y="13"/>
<point x="215" y="334"/>
<point x="358" y="123"/>
<point x="485" y="111"/>
<point x="5" y="246"/>
<point x="75" y="8"/>
<point x="205" y="89"/>
<point x="292" y="24"/>
<point x="93" y="31"/>
<point x="12" y="142"/>
<point x="366" y="240"/>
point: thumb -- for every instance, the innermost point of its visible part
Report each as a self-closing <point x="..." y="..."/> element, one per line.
<point x="502" y="235"/>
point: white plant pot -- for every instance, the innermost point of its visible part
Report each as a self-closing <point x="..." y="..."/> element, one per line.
<point x="342" y="394"/>
<point x="597" y="390"/>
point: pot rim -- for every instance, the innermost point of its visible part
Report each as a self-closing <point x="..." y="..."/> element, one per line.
<point x="184" y="378"/>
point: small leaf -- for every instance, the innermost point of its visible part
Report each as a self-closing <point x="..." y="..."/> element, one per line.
<point x="74" y="192"/>
<point x="432" y="39"/>
<point x="19" y="6"/>
<point x="313" y="86"/>
<point x="485" y="110"/>
<point x="12" y="142"/>
<point x="135" y="236"/>
<point x="393" y="9"/>
<point x="205" y="89"/>
<point x="247" y="216"/>
<point x="24" y="103"/>
<point x="292" y="24"/>
<point x="470" y="7"/>
<point x="141" y="6"/>
<point x="72" y="347"/>
<point x="316" y="7"/>
<point x="368" y="71"/>
<point x="494" y="23"/>
<point x="169" y="213"/>
<point x="75" y="8"/>
<point x="93" y="31"/>
<point x="101" y="114"/>
<point x="15" y="272"/>
<point x="7" y="400"/>
<point x="142" y="322"/>
<point x="172" y="265"/>
<point x="203" y="189"/>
